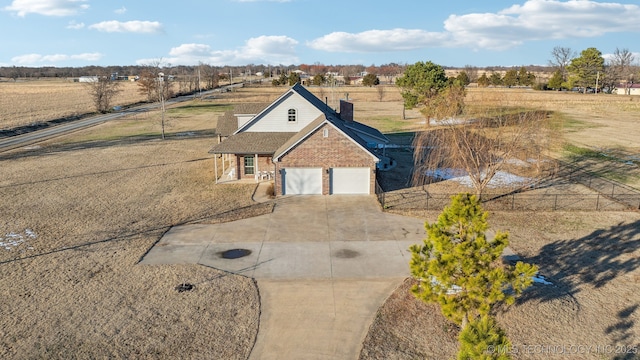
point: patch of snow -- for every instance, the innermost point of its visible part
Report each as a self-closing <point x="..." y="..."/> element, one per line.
<point x="454" y="289"/>
<point x="517" y="162"/>
<point x="449" y="121"/>
<point x="188" y="133"/>
<point x="539" y="279"/>
<point x="500" y="179"/>
<point x="12" y="239"/>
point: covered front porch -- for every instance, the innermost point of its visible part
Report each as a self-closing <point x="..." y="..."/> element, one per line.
<point x="243" y="168"/>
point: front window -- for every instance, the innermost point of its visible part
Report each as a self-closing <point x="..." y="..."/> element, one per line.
<point x="248" y="165"/>
<point x="292" y="115"/>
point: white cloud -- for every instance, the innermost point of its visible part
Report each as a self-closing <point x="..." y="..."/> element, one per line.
<point x="75" y="25"/>
<point x="259" y="50"/>
<point x="379" y="40"/>
<point x="533" y="20"/>
<point x="136" y="26"/>
<point x="38" y="59"/>
<point x="120" y="11"/>
<point x="636" y="57"/>
<point x="542" y="20"/>
<point x="47" y="7"/>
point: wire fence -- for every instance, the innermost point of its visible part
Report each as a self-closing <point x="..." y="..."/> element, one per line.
<point x="419" y="199"/>
<point x="604" y="195"/>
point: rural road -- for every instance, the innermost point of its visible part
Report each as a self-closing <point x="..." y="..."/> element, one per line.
<point x="54" y="131"/>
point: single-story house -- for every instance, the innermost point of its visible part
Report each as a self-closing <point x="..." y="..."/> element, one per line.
<point x="628" y="89"/>
<point x="302" y="145"/>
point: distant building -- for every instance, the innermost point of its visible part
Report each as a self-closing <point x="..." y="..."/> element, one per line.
<point x="86" y="79"/>
<point x="626" y="89"/>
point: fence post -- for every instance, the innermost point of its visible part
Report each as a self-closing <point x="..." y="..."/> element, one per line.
<point x="427" y="202"/>
<point x="513" y="200"/>
<point x="613" y="189"/>
<point x="597" y="201"/>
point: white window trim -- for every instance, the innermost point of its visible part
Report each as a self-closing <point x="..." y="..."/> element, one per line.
<point x="295" y="114"/>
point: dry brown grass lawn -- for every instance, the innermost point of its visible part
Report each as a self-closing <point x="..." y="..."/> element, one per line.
<point x="78" y="212"/>
<point x="592" y="261"/>
<point x="591" y="257"/>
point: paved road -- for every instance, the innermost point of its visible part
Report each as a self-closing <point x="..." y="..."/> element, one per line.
<point x="51" y="132"/>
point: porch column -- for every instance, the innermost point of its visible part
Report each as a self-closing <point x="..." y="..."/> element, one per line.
<point x="222" y="156"/>
<point x="215" y="167"/>
<point x="256" y="171"/>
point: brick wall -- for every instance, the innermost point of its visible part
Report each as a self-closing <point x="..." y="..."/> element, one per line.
<point x="335" y="150"/>
<point x="264" y="164"/>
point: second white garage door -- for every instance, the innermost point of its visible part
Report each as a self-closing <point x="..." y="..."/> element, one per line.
<point x="302" y="181"/>
<point x="350" y="180"/>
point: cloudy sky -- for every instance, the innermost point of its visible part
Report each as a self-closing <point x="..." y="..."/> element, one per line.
<point x="239" y="32"/>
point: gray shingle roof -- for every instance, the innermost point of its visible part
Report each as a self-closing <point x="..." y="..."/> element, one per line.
<point x="366" y="129"/>
<point x="228" y="123"/>
<point x="243" y="142"/>
<point x="335" y="121"/>
<point x="262" y="143"/>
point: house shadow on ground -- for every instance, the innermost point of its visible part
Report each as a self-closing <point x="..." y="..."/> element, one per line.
<point x="399" y="177"/>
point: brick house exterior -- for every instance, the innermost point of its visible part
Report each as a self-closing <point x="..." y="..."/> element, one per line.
<point x="304" y="146"/>
<point x="336" y="150"/>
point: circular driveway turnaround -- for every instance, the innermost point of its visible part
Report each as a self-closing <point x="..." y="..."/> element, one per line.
<point x="323" y="264"/>
<point x="306" y="237"/>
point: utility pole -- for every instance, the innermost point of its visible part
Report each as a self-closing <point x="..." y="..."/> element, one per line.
<point x="161" y="86"/>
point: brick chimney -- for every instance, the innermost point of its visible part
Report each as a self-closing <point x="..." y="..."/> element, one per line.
<point x="346" y="110"/>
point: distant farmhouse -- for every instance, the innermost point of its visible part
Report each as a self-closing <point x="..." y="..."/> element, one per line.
<point x="628" y="89"/>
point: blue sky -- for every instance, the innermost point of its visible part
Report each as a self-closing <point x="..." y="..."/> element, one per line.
<point x="240" y="32"/>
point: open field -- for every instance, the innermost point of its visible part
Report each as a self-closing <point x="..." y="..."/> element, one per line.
<point x="28" y="102"/>
<point x="78" y="212"/>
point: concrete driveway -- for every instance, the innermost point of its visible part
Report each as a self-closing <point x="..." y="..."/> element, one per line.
<point x="323" y="264"/>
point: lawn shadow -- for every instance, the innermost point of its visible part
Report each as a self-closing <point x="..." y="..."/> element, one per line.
<point x="592" y="261"/>
<point x="36" y="150"/>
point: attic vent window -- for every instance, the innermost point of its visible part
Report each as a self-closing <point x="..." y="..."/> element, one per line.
<point x="325" y="133"/>
<point x="292" y="115"/>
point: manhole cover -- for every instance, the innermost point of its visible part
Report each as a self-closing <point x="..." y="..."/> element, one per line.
<point x="235" y="253"/>
<point x="185" y="287"/>
<point x="346" y="254"/>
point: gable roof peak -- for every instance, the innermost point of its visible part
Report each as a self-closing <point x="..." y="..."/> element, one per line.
<point x="314" y="100"/>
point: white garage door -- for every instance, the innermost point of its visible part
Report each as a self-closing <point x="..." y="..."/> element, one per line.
<point x="302" y="181"/>
<point x="350" y="180"/>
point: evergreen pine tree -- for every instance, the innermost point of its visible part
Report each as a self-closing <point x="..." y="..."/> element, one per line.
<point x="459" y="268"/>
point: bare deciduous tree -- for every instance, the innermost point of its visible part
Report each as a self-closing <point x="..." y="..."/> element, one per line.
<point x="102" y="91"/>
<point x="480" y="143"/>
<point x="472" y="73"/>
<point x="156" y="85"/>
<point x="561" y="59"/>
<point x="380" y="89"/>
<point x="621" y="69"/>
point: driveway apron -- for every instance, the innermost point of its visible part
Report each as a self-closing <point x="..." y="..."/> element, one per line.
<point x="323" y="264"/>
